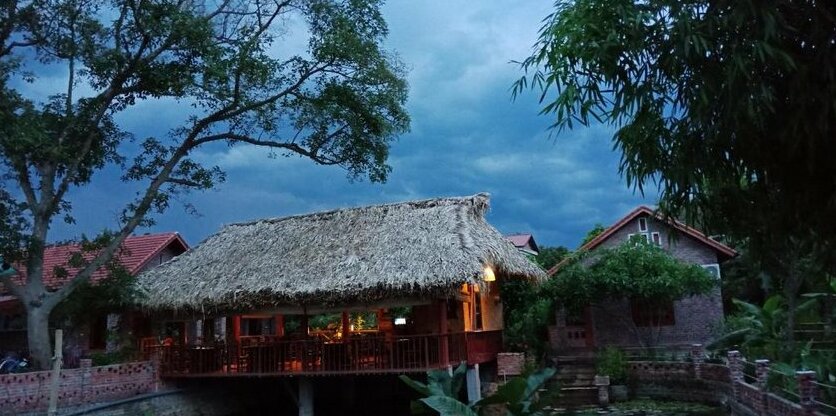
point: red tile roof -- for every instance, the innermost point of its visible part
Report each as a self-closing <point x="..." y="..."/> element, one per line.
<point x="520" y="241"/>
<point x="135" y="253"/>
<point x="723" y="250"/>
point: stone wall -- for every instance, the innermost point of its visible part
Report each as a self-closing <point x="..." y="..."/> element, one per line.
<point x="30" y="391"/>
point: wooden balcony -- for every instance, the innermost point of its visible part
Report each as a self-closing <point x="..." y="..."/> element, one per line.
<point x="379" y="354"/>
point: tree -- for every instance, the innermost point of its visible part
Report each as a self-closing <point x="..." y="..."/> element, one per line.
<point x="636" y="271"/>
<point x="596" y="230"/>
<point x="548" y="257"/>
<point x="727" y="105"/>
<point x="339" y="102"/>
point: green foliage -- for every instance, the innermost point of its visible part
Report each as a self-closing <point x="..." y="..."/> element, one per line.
<point x="337" y="100"/>
<point x="325" y="321"/>
<point x="518" y="395"/>
<point x="528" y="310"/>
<point x="526" y="329"/>
<point x="596" y="230"/>
<point x="725" y="106"/>
<point x="109" y="358"/>
<point x="639" y="271"/>
<point x="548" y="257"/>
<point x="759" y="331"/>
<point x="612" y="362"/>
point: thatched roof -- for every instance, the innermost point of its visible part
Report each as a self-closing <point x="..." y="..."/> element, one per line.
<point x="359" y="255"/>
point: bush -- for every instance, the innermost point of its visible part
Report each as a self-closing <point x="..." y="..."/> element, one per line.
<point x="109" y="358"/>
<point x="612" y="362"/>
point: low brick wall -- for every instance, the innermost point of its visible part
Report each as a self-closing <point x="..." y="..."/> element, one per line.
<point x="27" y="392"/>
<point x="676" y="381"/>
<point x="716" y="384"/>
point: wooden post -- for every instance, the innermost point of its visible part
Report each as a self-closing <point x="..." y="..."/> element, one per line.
<point x="57" y="360"/>
<point x="304" y="323"/>
<point x="236" y="328"/>
<point x="279" y="325"/>
<point x="443" y="331"/>
<point x="346" y="323"/>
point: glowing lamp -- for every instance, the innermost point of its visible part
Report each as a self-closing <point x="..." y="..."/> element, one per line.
<point x="488" y="274"/>
<point x="400" y="321"/>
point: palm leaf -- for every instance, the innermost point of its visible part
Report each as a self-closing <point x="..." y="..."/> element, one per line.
<point x="448" y="406"/>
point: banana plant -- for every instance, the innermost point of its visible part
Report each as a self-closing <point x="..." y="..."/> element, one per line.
<point x="763" y="329"/>
<point x="518" y="396"/>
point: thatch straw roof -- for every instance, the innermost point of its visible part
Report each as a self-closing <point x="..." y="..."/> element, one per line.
<point x="359" y="255"/>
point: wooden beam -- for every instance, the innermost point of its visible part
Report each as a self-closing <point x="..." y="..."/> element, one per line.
<point x="236" y="328"/>
<point x="314" y="309"/>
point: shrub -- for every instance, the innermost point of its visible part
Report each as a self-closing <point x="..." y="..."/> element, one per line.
<point x="612" y="362"/>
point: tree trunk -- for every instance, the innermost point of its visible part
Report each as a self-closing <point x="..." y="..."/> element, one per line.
<point x="37" y="327"/>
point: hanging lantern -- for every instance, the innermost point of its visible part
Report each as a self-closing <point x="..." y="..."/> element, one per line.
<point x="488" y="274"/>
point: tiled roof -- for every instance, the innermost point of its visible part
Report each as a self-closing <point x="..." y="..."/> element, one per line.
<point x="519" y="240"/>
<point x="723" y="250"/>
<point x="135" y="253"/>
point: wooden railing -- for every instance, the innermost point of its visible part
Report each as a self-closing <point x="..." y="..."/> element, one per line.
<point x="366" y="354"/>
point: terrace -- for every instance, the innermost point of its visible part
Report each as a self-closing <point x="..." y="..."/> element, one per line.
<point x="357" y="354"/>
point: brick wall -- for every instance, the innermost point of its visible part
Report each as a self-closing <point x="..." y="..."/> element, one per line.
<point x="30" y="391"/>
<point x="678" y="381"/>
<point x="510" y="363"/>
<point x="694" y="316"/>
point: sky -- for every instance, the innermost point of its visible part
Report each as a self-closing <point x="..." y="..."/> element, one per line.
<point x="467" y="136"/>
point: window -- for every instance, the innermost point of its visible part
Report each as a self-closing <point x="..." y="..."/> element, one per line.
<point x="643" y="225"/>
<point x="713" y="270"/>
<point x="258" y="326"/>
<point x="657" y="239"/>
<point x="98" y="333"/>
<point x="633" y="237"/>
<point x="652" y="313"/>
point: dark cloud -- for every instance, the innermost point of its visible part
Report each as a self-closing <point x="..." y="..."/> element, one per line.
<point x="467" y="136"/>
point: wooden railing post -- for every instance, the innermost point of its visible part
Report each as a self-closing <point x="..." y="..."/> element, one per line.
<point x="443" y="329"/>
<point x="426" y="352"/>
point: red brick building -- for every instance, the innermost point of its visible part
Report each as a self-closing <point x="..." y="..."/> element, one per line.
<point x="137" y="254"/>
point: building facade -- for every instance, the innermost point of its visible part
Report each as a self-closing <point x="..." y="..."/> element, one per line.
<point x="684" y="322"/>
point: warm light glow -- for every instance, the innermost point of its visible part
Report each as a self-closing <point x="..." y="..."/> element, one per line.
<point x="400" y="321"/>
<point x="488" y="274"/>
